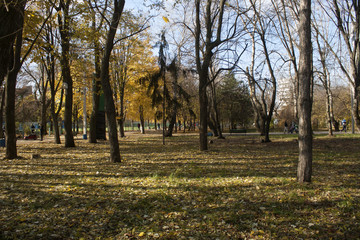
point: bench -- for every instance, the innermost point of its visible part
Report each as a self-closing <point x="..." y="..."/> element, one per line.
<point x="237" y="131"/>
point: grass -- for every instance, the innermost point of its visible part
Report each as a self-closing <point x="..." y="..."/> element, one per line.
<point x="239" y="189"/>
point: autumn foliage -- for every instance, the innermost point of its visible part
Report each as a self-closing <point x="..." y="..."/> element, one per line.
<point x="240" y="189"/>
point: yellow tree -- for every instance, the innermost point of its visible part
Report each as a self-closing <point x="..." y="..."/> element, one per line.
<point x="140" y="63"/>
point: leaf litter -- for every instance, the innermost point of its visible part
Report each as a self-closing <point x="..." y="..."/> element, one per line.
<point x="236" y="190"/>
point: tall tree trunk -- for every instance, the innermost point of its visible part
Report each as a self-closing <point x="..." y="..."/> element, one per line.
<point x="105" y="82"/>
<point x="64" y="27"/>
<point x="304" y="170"/>
<point x="16" y="12"/>
<point x="10" y="129"/>
<point x="96" y="85"/>
<point x="204" y="55"/>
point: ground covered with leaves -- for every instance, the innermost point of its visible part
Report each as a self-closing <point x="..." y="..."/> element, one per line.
<point x="239" y="189"/>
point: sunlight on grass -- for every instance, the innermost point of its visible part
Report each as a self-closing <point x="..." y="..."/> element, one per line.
<point x="238" y="189"/>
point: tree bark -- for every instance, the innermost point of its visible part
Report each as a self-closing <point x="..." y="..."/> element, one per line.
<point x="64" y="28"/>
<point x="13" y="34"/>
<point x="105" y="82"/>
<point x="304" y="170"/>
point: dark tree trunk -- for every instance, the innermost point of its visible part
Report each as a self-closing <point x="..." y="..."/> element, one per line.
<point x="10" y="129"/>
<point x="11" y="32"/>
<point x="171" y="124"/>
<point x="2" y="114"/>
<point x="105" y="82"/>
<point x="96" y="85"/>
<point x="142" y="120"/>
<point x="64" y="27"/>
<point x="204" y="54"/>
<point x="304" y="170"/>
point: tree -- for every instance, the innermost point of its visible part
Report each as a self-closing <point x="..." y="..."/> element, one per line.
<point x="105" y="81"/>
<point x="11" y="40"/>
<point x="264" y="102"/>
<point x="208" y="38"/>
<point x="234" y="101"/>
<point x="93" y="38"/>
<point x="324" y="76"/>
<point x="304" y="170"/>
<point x="345" y="16"/>
<point x="64" y="20"/>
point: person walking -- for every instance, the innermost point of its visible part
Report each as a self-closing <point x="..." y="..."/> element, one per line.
<point x="343" y="123"/>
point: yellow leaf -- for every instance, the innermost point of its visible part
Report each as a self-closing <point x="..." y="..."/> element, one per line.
<point x="166" y="19"/>
<point x="141" y="234"/>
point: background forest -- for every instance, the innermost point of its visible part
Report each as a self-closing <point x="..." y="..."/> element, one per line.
<point x="253" y="72"/>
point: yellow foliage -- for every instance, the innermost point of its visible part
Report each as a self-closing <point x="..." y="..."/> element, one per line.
<point x="165" y="19"/>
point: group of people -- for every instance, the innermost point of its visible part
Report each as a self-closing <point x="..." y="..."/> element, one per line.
<point x="294" y="127"/>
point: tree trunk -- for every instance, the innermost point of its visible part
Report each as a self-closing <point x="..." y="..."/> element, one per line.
<point x="203" y="103"/>
<point x="16" y="11"/>
<point x="54" y="113"/>
<point x="142" y="121"/>
<point x="96" y="85"/>
<point x="105" y="82"/>
<point x="64" y="27"/>
<point x="304" y="170"/>
<point x="204" y="55"/>
<point x="10" y="129"/>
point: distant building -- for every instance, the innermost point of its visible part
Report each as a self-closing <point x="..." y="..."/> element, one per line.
<point x="285" y="92"/>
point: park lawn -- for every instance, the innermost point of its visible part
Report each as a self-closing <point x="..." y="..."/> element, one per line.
<point x="239" y="189"/>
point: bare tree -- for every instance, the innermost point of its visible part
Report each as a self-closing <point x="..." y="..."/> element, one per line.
<point x="324" y="77"/>
<point x="262" y="88"/>
<point x="345" y="15"/>
<point x="209" y="35"/>
<point x="304" y="170"/>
